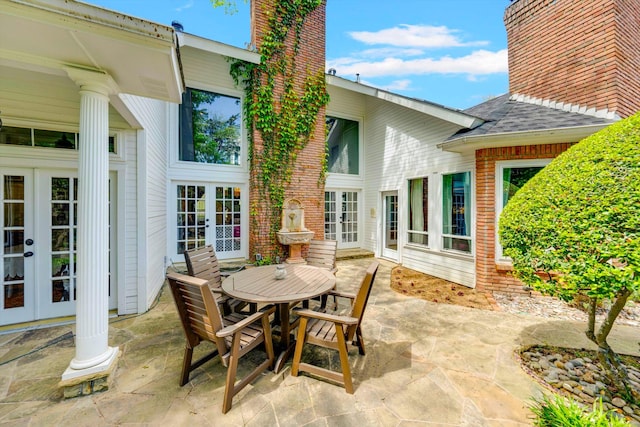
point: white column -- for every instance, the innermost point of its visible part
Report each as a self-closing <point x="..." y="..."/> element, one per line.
<point x="93" y="354"/>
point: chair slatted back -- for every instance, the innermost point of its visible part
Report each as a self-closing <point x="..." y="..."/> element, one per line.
<point x="198" y="310"/>
<point x="360" y="303"/>
<point x="322" y="253"/>
<point x="203" y="263"/>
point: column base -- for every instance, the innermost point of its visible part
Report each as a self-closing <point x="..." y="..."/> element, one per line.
<point x="82" y="382"/>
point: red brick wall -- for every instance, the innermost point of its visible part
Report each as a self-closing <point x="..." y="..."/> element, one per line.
<point x="488" y="276"/>
<point x="585" y="53"/>
<point x="628" y="50"/>
<point x="304" y="184"/>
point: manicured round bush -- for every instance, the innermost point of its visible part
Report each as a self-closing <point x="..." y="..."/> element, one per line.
<point x="575" y="226"/>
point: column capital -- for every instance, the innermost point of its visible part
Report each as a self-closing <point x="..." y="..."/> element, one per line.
<point x="93" y="80"/>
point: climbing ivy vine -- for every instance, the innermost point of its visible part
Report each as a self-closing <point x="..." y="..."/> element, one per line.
<point x="284" y="116"/>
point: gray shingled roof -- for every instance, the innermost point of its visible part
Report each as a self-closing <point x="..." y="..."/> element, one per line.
<point x="503" y="115"/>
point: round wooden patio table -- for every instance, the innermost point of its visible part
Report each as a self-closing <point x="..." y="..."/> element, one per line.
<point x="259" y="285"/>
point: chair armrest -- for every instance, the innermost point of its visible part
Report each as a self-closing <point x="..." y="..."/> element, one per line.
<point x="227" y="273"/>
<point x="232" y="329"/>
<point x="343" y="320"/>
<point x="342" y="294"/>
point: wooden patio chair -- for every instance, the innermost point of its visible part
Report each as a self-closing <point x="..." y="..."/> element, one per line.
<point x="322" y="254"/>
<point x="334" y="330"/>
<point x="203" y="263"/>
<point x="233" y="335"/>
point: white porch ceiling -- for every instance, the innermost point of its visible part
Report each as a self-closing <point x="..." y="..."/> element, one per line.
<point x="48" y="35"/>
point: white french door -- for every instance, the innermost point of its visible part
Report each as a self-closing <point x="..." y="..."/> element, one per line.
<point x="390" y="225"/>
<point x="40" y="218"/>
<point x="17" y="269"/>
<point x="341" y="218"/>
<point x="208" y="213"/>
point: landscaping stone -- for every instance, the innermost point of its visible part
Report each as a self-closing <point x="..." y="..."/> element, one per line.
<point x="584" y="380"/>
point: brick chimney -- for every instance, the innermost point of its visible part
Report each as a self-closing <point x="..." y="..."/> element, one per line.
<point x="305" y="184"/>
<point x="580" y="52"/>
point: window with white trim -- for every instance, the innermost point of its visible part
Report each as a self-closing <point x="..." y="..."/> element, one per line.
<point x="343" y="140"/>
<point x="210" y="128"/>
<point x="456" y="212"/>
<point x="418" y="230"/>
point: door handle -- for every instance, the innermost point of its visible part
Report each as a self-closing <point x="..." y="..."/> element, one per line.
<point x="28" y="254"/>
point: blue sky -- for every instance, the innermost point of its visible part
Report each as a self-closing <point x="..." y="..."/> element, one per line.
<point x="451" y="52"/>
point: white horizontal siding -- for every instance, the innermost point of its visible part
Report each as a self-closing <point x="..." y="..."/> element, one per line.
<point x="440" y="265"/>
<point x="346" y="104"/>
<point x="151" y="196"/>
<point x="205" y="70"/>
<point x="131" y="225"/>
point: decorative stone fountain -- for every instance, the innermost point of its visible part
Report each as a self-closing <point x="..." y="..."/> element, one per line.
<point x="293" y="233"/>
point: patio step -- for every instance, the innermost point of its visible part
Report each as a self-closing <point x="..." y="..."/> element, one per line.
<point x="356" y="253"/>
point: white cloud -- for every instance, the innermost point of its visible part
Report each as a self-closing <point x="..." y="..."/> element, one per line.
<point x="187" y="5"/>
<point x="477" y="63"/>
<point x="398" y="85"/>
<point x="423" y="36"/>
<point x="384" y="52"/>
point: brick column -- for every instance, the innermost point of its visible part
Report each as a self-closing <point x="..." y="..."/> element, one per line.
<point x="304" y="183"/>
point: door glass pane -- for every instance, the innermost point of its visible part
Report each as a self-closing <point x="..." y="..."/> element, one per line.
<point x="14" y="295"/>
<point x="391" y="222"/>
<point x="13" y="188"/>
<point x="13" y="241"/>
<point x="13" y="214"/>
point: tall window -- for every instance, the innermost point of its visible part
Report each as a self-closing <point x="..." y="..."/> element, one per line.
<point x="342" y="146"/>
<point x="419" y="211"/>
<point x="456" y="211"/>
<point x="210" y="128"/>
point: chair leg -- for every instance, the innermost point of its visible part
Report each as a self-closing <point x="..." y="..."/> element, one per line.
<point x="268" y="342"/>
<point x="297" y="355"/>
<point x="359" y="341"/>
<point x="344" y="359"/>
<point x="186" y="365"/>
<point x="229" y="389"/>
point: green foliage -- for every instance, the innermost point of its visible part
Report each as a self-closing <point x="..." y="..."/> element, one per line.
<point x="285" y="123"/>
<point x="264" y="261"/>
<point x="230" y="6"/>
<point x="577" y="222"/>
<point x="561" y="412"/>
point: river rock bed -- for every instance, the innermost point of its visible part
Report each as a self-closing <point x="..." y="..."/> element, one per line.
<point x="578" y="373"/>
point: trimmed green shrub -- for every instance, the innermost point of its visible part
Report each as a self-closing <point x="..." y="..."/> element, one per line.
<point x="574" y="229"/>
